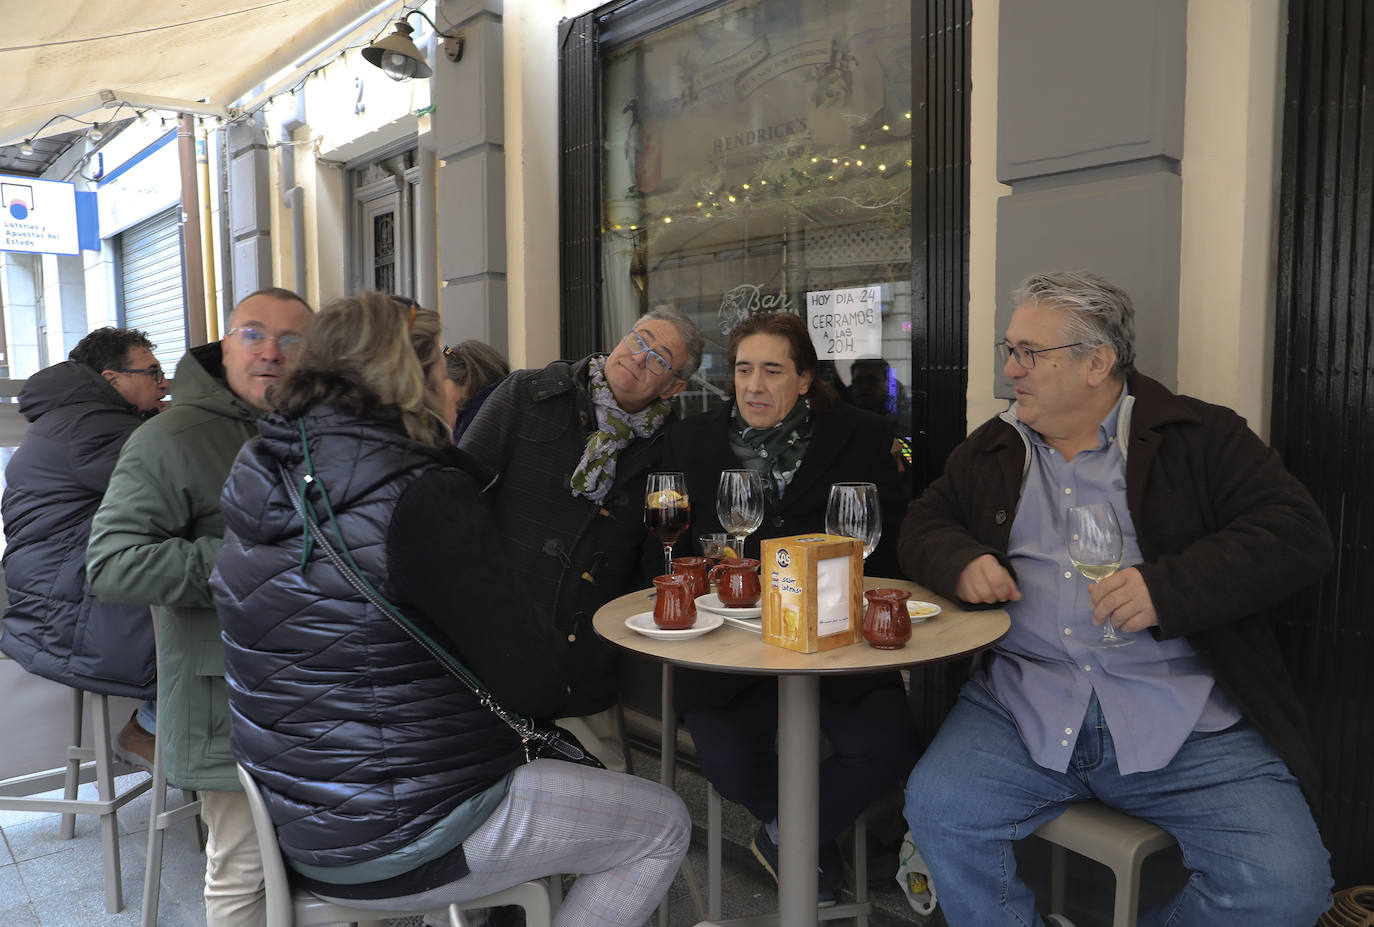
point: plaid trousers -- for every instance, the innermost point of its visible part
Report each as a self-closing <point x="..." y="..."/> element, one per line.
<point x="622" y="835"/>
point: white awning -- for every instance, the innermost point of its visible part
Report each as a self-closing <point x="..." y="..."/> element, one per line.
<point x="58" y="57"/>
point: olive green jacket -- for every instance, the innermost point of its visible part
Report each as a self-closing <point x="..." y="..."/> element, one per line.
<point x="154" y="541"/>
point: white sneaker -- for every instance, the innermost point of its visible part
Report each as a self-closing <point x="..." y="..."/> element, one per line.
<point x="1058" y="920"/>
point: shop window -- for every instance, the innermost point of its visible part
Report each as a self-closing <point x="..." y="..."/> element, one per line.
<point x="756" y="157"/>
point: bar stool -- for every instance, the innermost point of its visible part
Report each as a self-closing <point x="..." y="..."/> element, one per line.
<point x="96" y="762"/>
<point x="289" y="907"/>
<point x="1117" y="841"/>
<point x="159" y="819"/>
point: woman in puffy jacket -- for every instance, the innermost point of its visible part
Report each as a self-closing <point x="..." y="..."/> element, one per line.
<point x="390" y="784"/>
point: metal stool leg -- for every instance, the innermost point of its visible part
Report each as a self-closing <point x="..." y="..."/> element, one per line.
<point x="73" y="780"/>
<point x="109" y="821"/>
<point x="159" y="819"/>
<point x="861" y="864"/>
<point x="712" y="852"/>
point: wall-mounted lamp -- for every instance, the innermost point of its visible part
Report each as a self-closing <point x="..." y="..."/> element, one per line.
<point x="400" y="59"/>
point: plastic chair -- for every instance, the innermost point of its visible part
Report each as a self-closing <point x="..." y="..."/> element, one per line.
<point x="1117" y="841"/>
<point x="292" y="907"/>
<point x="83" y="764"/>
<point x="159" y="819"/>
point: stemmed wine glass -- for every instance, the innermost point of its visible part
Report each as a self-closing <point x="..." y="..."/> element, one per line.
<point x="1094" y="540"/>
<point x="667" y="512"/>
<point x="739" y="505"/>
<point x="853" y="512"/>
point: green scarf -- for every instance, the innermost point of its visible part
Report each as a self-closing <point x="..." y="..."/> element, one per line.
<point x="615" y="429"/>
<point x="781" y="446"/>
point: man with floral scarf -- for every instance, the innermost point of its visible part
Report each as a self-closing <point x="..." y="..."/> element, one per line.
<point x="572" y="445"/>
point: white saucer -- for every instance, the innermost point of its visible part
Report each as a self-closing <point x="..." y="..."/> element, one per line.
<point x="927" y="610"/>
<point x="711" y="602"/>
<point x="644" y="624"/>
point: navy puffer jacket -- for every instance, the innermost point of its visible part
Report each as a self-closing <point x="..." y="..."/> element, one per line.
<point x="361" y="741"/>
<point x="54" y="626"/>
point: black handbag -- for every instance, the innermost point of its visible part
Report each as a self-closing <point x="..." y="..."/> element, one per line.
<point x="541" y="739"/>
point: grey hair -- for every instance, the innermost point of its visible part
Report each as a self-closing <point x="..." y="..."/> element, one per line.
<point x="1099" y="312"/>
<point x="687" y="330"/>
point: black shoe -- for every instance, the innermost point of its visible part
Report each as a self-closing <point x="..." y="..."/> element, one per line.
<point x="766" y="852"/>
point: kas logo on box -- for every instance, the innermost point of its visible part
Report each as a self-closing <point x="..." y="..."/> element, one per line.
<point x="783" y="557"/>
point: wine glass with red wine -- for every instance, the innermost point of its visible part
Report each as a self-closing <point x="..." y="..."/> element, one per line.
<point x="667" y="512"/>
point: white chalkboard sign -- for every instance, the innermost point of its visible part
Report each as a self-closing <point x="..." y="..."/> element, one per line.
<point x="846" y="324"/>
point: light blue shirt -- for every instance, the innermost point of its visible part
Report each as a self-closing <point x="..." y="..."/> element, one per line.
<point x="1153" y="693"/>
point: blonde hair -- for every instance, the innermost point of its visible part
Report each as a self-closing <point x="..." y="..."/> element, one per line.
<point x="366" y="352"/>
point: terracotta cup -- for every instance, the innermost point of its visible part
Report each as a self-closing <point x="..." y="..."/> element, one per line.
<point x="695" y="568"/>
<point x="675" y="607"/>
<point x="887" y="623"/>
<point x="737" y="582"/>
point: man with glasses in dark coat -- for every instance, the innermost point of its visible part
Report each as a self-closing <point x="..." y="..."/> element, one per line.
<point x="573" y="444"/>
<point x="81" y="412"/>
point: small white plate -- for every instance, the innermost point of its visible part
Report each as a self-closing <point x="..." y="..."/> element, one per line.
<point x="644" y="624"/>
<point x="711" y="602"/>
<point x="921" y="611"/>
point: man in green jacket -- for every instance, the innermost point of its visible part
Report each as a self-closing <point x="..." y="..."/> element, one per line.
<point x="154" y="541"/>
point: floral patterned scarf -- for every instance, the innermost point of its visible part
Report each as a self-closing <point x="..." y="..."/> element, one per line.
<point x="615" y="429"/>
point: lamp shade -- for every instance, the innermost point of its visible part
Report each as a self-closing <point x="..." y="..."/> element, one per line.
<point x="397" y="55"/>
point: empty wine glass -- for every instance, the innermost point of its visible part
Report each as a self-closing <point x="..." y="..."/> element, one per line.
<point x="667" y="512"/>
<point x="739" y="505"/>
<point x="853" y="512"/>
<point x="1094" y="540"/>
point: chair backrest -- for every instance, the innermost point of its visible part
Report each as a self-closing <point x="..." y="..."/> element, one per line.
<point x="280" y="909"/>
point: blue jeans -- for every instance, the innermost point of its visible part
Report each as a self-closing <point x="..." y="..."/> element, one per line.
<point x="1247" y="835"/>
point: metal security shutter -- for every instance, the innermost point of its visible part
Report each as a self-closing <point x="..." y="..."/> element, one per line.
<point x="150" y="281"/>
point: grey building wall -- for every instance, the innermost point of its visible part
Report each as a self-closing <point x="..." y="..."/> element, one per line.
<point x="1090" y="98"/>
<point x="250" y="222"/>
<point x="468" y="137"/>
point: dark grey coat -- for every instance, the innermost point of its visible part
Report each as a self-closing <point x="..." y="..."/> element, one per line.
<point x="54" y="626"/>
<point x="572" y="554"/>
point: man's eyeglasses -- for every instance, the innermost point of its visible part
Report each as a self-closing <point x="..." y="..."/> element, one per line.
<point x="656" y="362"/>
<point x="255" y="340"/>
<point x="1025" y="357"/>
<point x="154" y="371"/>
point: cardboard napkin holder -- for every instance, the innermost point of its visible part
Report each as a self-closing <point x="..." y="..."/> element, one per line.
<point x="813" y="588"/>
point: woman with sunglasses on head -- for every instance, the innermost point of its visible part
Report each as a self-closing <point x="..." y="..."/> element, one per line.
<point x="474" y="369"/>
<point x="392" y="785"/>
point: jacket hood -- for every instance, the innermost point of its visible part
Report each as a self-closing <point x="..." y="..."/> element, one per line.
<point x="200" y="382"/>
<point x="65" y="384"/>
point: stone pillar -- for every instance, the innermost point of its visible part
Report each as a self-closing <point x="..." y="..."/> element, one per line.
<point x="1090" y="98"/>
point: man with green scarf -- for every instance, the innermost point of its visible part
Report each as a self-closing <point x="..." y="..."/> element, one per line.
<point x="573" y="444"/>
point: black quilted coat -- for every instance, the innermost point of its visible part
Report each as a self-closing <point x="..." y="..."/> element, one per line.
<point x="360" y="740"/>
<point x="54" y="626"/>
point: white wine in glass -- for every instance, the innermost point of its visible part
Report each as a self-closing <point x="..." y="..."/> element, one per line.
<point x="853" y="512"/>
<point x="739" y="505"/>
<point x="1095" y="545"/>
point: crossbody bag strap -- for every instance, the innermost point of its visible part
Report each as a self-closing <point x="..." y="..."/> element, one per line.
<point x="522" y="726"/>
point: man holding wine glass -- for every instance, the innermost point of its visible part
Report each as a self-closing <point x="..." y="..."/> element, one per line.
<point x="572" y="446"/>
<point x="1195" y="531"/>
<point x="762" y="466"/>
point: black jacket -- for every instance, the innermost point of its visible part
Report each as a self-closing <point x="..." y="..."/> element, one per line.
<point x="1226" y="532"/>
<point x="54" y="626"/>
<point x="360" y="740"/>
<point x="572" y="555"/>
<point x="847" y="444"/>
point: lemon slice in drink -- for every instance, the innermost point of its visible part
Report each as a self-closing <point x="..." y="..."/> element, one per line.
<point x="730" y="553"/>
<point x="664" y="499"/>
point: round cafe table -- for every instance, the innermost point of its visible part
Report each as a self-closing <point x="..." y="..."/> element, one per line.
<point x="955" y="632"/>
